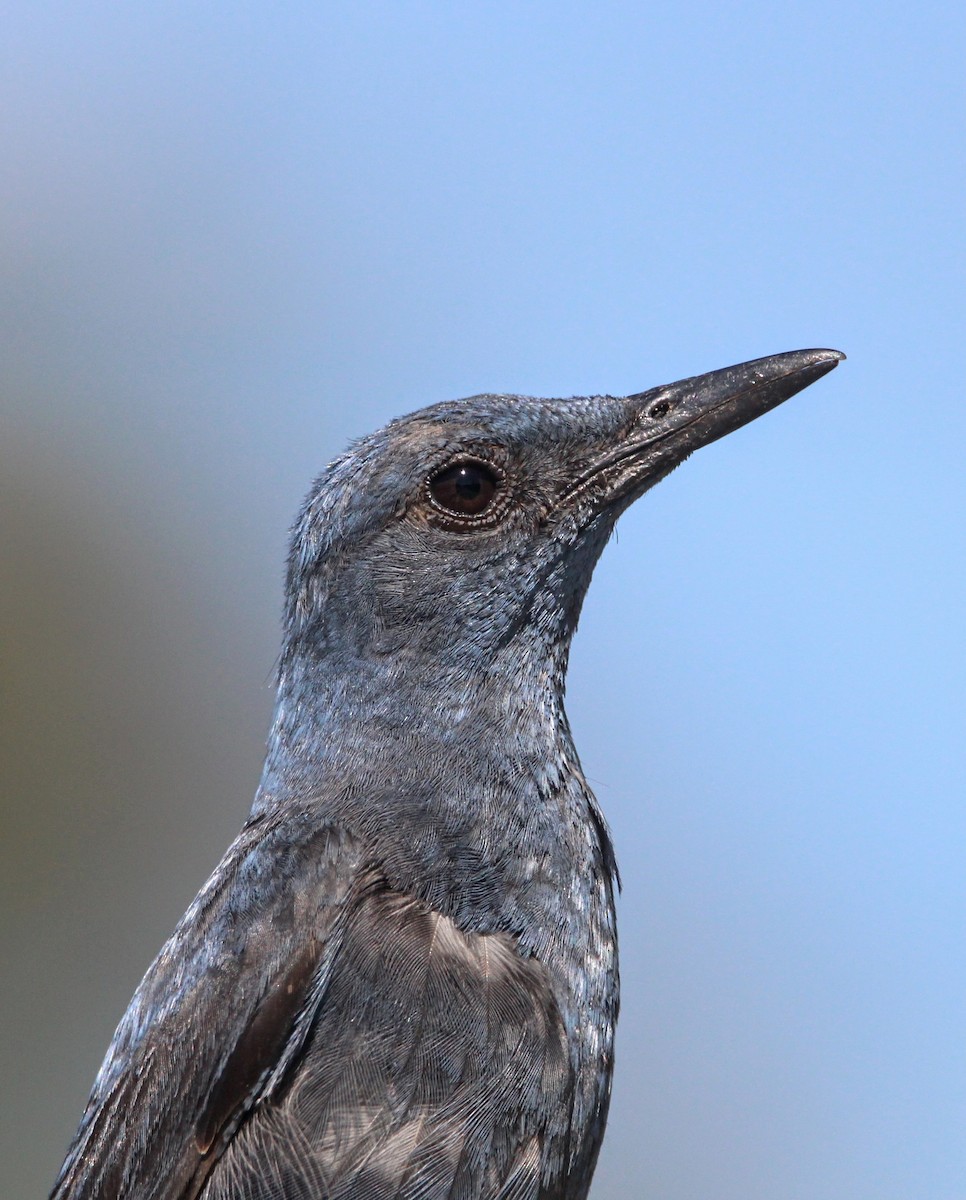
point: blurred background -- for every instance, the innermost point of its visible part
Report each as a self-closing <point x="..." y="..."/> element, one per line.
<point x="235" y="236"/>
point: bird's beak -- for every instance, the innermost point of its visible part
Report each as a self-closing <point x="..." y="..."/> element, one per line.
<point x="693" y="412"/>
<point x="670" y="422"/>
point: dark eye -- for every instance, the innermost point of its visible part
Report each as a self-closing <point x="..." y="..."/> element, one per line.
<point x="465" y="489"/>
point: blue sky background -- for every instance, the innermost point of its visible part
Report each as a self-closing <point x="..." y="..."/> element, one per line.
<point x="235" y="236"/>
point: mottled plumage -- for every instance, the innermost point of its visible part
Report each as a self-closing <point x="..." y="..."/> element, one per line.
<point x="401" y="981"/>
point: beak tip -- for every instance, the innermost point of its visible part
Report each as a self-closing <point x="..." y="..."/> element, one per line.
<point x="824" y="358"/>
<point x="813" y="364"/>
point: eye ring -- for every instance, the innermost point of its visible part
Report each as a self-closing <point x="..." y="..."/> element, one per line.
<point x="466" y="490"/>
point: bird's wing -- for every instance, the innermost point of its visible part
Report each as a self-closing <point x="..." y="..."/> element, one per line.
<point x="310" y="1034"/>
<point x="227" y="1001"/>
<point x="437" y="1069"/>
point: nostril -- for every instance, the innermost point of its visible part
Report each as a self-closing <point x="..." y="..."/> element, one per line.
<point x="661" y="409"/>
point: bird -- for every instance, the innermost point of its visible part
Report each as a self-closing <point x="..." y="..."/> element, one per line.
<point x="401" y="981"/>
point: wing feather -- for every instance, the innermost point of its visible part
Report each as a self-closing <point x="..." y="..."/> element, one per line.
<point x="308" y="1033"/>
<point x="437" y="1069"/>
<point x="213" y="1015"/>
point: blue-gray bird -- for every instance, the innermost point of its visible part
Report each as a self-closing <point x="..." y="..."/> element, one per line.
<point x="401" y="981"/>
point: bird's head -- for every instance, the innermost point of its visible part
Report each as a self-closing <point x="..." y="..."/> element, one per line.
<point x="468" y="531"/>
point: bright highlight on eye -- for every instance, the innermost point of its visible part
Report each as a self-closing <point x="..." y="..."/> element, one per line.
<point x="465" y="489"/>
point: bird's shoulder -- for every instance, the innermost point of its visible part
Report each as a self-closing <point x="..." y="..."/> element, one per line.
<point x="306" y="1018"/>
<point x="217" y="1011"/>
<point x="437" y="1067"/>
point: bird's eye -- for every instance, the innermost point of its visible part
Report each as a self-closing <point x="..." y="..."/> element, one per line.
<point x="465" y="489"/>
